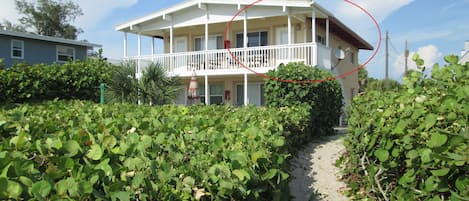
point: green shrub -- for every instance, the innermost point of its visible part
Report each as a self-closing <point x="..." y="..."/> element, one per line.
<point x="324" y="99"/>
<point x="412" y="144"/>
<point x="74" y="80"/>
<point x="84" y="151"/>
<point x="155" y="87"/>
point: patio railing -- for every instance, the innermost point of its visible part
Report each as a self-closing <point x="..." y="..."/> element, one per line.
<point x="260" y="59"/>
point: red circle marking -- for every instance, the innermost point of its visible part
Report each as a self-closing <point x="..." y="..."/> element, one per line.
<point x="302" y="81"/>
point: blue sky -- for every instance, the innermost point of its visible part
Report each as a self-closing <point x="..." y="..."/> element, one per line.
<point x="433" y="28"/>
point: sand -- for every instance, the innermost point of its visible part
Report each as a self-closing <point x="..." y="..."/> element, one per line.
<point x="314" y="175"/>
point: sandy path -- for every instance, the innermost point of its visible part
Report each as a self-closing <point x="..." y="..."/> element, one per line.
<point x="313" y="171"/>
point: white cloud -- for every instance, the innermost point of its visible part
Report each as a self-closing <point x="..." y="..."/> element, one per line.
<point x="430" y="54"/>
<point x="379" y="9"/>
<point x="96" y="10"/>
<point x="8" y="11"/>
<point x="93" y="10"/>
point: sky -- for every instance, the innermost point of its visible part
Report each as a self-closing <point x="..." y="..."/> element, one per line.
<point x="433" y="28"/>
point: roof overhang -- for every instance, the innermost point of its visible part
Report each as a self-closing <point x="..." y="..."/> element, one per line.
<point x="48" y="38"/>
<point x="165" y="14"/>
<point x="339" y="29"/>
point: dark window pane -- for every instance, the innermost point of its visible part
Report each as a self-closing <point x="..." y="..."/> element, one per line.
<point x="216" y="100"/>
<point x="239" y="40"/>
<point x="264" y="38"/>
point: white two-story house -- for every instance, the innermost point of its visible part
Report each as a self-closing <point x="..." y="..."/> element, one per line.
<point x="261" y="37"/>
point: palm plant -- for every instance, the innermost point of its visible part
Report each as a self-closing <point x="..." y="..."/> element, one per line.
<point x="155" y="87"/>
<point x="122" y="87"/>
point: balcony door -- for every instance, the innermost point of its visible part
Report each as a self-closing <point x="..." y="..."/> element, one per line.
<point x="255" y="94"/>
<point x="180" y="44"/>
<point x="281" y="36"/>
<point x="255" y="39"/>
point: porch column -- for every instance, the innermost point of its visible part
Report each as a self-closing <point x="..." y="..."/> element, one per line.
<point x="153" y="49"/>
<point x="125" y="45"/>
<point x="327" y="31"/>
<point x="207" y="87"/>
<point x="207" y="91"/>
<point x="314" y="51"/>
<point x="171" y="38"/>
<point x="313" y="26"/>
<point x="289" y="35"/>
<point x="245" y="32"/>
<point x="139" y="53"/>
<point x="246" y="100"/>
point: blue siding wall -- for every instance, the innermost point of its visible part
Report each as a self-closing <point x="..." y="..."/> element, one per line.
<point x="36" y="51"/>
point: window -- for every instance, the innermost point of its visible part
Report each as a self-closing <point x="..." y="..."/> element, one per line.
<point x="352" y="58"/>
<point x="216" y="94"/>
<point x="214" y="42"/>
<point x="17" y="49"/>
<point x="255" y="39"/>
<point x="320" y="39"/>
<point x="65" y="54"/>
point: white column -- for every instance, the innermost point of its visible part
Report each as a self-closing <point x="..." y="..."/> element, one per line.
<point x="152" y="45"/>
<point x="246" y="100"/>
<point x="125" y="45"/>
<point x="327" y="31"/>
<point x="207" y="87"/>
<point x="314" y="51"/>
<point x="139" y="53"/>
<point x="313" y="26"/>
<point x="171" y="38"/>
<point x="289" y="35"/>
<point x="245" y="32"/>
<point x="153" y="49"/>
<point x="207" y="91"/>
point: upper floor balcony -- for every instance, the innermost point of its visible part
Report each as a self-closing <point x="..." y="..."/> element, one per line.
<point x="234" y="61"/>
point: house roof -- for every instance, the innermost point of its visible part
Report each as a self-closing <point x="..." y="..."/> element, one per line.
<point x="341" y="30"/>
<point x="47" y="38"/>
<point x="336" y="26"/>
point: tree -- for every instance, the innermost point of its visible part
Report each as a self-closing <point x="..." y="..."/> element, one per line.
<point x="50" y="18"/>
<point x="12" y="27"/>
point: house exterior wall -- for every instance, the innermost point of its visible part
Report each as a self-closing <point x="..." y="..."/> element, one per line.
<point x="266" y="24"/>
<point x="36" y="51"/>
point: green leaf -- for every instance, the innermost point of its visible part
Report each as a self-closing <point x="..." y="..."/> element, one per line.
<point x="278" y="142"/>
<point x="382" y="155"/>
<point x="270" y="174"/>
<point x="95" y="153"/>
<point x="412" y="154"/>
<point x="425" y="155"/>
<point x="452" y="59"/>
<point x="14" y="189"/>
<point x="242" y="174"/>
<point x="121" y="195"/>
<point x="437" y="140"/>
<point x="104" y="166"/>
<point x="72" y="147"/>
<point x="430" y="121"/>
<point x="41" y="189"/>
<point x="440" y="172"/>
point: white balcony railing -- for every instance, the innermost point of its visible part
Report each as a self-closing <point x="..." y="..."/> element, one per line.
<point x="219" y="62"/>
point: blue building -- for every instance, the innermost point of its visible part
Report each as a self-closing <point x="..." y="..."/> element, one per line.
<point x="18" y="47"/>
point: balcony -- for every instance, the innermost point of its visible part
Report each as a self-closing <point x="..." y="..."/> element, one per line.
<point x="220" y="62"/>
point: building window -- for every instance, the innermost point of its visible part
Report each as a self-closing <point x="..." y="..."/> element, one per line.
<point x="216" y="94"/>
<point x="352" y="58"/>
<point x="65" y="54"/>
<point x="17" y="49"/>
<point x="255" y="39"/>
<point x="320" y="39"/>
<point x="214" y="42"/>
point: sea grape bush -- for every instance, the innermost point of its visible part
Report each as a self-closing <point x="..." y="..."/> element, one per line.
<point x="78" y="150"/>
<point x="24" y="83"/>
<point x="412" y="144"/>
<point x="324" y="99"/>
